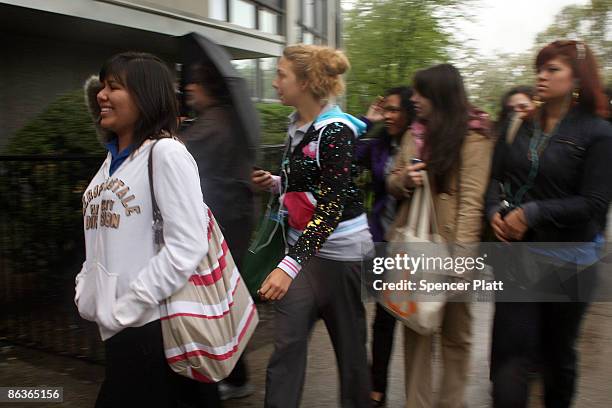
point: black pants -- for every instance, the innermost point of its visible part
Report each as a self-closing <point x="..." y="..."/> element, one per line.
<point x="383" y="330"/>
<point x="528" y="336"/>
<point x="137" y="374"/>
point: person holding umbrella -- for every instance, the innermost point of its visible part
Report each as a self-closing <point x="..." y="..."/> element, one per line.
<point x="328" y="230"/>
<point x="224" y="158"/>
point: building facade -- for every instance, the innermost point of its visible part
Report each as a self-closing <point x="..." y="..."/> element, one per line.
<point x="51" y="46"/>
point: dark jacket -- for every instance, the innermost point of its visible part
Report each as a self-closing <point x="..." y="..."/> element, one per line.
<point x="225" y="171"/>
<point x="571" y="193"/>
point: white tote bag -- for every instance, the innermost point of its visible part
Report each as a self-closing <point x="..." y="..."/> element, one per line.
<point x="424" y="317"/>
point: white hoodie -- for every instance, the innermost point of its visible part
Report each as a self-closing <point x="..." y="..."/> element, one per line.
<point x="123" y="279"/>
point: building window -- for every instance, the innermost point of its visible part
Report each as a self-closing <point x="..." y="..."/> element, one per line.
<point x="321" y="17"/>
<point x="247" y="69"/>
<point x="242" y="13"/>
<point x="307" y="38"/>
<point x="268" y="21"/>
<point x="259" y="75"/>
<point x="308" y="13"/>
<point x="262" y="15"/>
<point x="267" y="72"/>
<point x="313" y="21"/>
<point x="217" y="9"/>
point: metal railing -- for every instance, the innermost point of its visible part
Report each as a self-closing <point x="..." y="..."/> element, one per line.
<point x="42" y="248"/>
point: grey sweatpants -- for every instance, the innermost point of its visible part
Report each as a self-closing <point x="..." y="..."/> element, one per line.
<point x="329" y="290"/>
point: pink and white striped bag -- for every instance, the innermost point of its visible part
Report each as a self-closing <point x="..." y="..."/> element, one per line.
<point x="208" y="323"/>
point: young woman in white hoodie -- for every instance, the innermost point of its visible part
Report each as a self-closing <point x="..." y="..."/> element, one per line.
<point x="124" y="278"/>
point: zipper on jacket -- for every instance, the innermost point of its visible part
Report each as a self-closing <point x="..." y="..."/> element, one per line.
<point x="569" y="142"/>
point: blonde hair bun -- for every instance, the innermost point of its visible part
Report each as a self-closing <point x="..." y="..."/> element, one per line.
<point x="320" y="67"/>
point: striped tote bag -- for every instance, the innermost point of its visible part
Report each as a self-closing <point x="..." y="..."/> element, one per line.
<point x="208" y="323"/>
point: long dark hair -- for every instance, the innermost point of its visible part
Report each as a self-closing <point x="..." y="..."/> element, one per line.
<point x="447" y="126"/>
<point x="151" y="84"/>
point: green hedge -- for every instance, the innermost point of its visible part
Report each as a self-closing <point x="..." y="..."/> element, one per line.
<point x="41" y="224"/>
<point x="64" y="127"/>
<point x="41" y="221"/>
<point x="274" y="120"/>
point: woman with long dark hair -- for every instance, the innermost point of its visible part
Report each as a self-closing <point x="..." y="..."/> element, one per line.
<point x="452" y="140"/>
<point x="555" y="172"/>
<point x="124" y="278"/>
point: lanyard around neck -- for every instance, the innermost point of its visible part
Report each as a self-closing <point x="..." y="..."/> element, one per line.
<point x="537" y="144"/>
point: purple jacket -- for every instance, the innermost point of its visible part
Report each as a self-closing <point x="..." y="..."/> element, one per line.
<point x="372" y="154"/>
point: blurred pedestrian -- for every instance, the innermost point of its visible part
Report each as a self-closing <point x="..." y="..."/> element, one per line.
<point x="452" y="141"/>
<point x="124" y="278"/>
<point x="556" y="176"/>
<point x="518" y="100"/>
<point x="224" y="162"/>
<point x="377" y="152"/>
<point x="328" y="231"/>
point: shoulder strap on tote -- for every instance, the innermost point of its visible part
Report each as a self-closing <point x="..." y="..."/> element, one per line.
<point x="158" y="221"/>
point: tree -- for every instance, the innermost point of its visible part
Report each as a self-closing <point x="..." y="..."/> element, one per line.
<point x="388" y="40"/>
<point x="488" y="78"/>
<point x="591" y="23"/>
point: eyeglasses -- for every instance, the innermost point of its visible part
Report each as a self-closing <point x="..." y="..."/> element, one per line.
<point x="519" y="107"/>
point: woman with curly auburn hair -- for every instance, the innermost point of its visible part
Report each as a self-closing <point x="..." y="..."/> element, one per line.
<point x="555" y="177"/>
<point x="328" y="230"/>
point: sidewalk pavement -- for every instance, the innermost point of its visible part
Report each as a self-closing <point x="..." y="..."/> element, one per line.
<point x="25" y="367"/>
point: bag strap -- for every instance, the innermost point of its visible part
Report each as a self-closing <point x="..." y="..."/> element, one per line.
<point x="422" y="213"/>
<point x="429" y="202"/>
<point x="158" y="220"/>
<point x="416" y="203"/>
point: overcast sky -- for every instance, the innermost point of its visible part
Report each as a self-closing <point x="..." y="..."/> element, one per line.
<point x="509" y="25"/>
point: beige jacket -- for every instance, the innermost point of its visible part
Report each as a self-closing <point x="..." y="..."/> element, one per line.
<point x="460" y="210"/>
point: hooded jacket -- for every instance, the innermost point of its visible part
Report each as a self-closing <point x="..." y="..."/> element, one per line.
<point x="324" y="205"/>
<point x="123" y="278"/>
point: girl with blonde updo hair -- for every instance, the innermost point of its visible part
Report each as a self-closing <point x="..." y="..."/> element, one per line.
<point x="327" y="230"/>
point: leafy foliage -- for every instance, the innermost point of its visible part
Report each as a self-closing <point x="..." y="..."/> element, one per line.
<point x="489" y="78"/>
<point x="274" y="121"/>
<point x="388" y="40"/>
<point x="64" y="127"/>
<point x="41" y="217"/>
